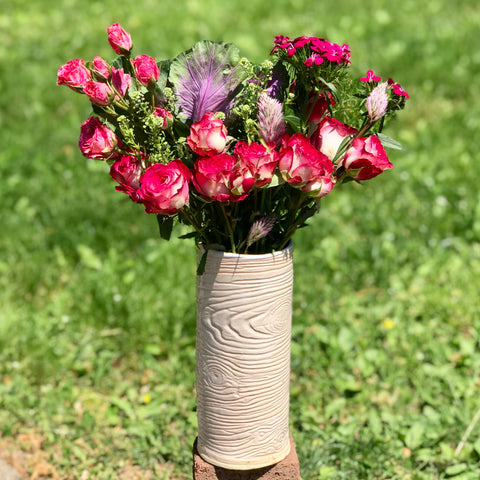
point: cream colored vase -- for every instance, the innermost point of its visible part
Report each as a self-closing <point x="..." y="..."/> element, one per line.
<point x="244" y="311"/>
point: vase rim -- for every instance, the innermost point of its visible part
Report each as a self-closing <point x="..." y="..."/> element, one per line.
<point x="222" y="253"/>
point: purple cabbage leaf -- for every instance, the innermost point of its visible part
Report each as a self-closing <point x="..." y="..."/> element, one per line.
<point x="205" y="79"/>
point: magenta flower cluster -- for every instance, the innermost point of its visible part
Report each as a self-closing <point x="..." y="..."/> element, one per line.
<point x="317" y="49"/>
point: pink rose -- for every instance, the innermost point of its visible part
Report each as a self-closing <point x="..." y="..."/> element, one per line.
<point x="126" y="172"/>
<point x="304" y="167"/>
<point x="212" y="177"/>
<point x="366" y="158"/>
<point x="98" y="92"/>
<point x="74" y="74"/>
<point x="101" y="68"/>
<point x="119" y="39"/>
<point x="146" y="69"/>
<point x="208" y="136"/>
<point x="121" y="81"/>
<point x="260" y="160"/>
<point x="329" y="136"/>
<point x="165" y="115"/>
<point x="164" y="187"/>
<point x="96" y="139"/>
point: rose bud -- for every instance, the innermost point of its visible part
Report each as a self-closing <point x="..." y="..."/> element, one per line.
<point x="121" y="81"/>
<point x="119" y="39"/>
<point x="165" y="115"/>
<point x="146" y="69"/>
<point x="74" y="74"/>
<point x="127" y="172"/>
<point x="97" y="140"/>
<point x="99" y="93"/>
<point x="101" y="69"/>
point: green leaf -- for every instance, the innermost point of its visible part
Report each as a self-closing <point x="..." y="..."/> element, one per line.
<point x="389" y="142"/>
<point x="165" y="224"/>
<point x="123" y="62"/>
<point x="476" y="445"/>
<point x="454" y="470"/>
<point x="164" y="68"/>
<point x="123" y="405"/>
<point x="188" y="235"/>
<point x="414" y="436"/>
<point x="294" y="122"/>
<point x="202" y="263"/>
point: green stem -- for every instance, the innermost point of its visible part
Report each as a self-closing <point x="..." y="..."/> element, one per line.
<point x="193" y="223"/>
<point x="229" y="228"/>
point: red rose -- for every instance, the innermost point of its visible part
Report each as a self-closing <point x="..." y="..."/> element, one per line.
<point x="96" y="139"/>
<point x="212" y="177"/>
<point x="74" y="74"/>
<point x="146" y="69"/>
<point x="164" y="187"/>
<point x="304" y="167"/>
<point x="98" y="92"/>
<point x="366" y="158"/>
<point x="260" y="160"/>
<point x="329" y="136"/>
<point x="119" y="39"/>
<point x="208" y="136"/>
<point x="126" y="172"/>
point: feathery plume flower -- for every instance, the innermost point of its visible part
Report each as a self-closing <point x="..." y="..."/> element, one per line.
<point x="377" y="102"/>
<point x="259" y="229"/>
<point x="271" y="125"/>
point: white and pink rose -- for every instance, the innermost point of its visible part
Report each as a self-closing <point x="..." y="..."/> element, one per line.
<point x="329" y="135"/>
<point x="366" y="158"/>
<point x="260" y="160"/>
<point x="304" y="167"/>
<point x="209" y="136"/>
<point x="213" y="177"/>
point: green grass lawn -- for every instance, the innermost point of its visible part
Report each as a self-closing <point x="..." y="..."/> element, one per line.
<point x="97" y="315"/>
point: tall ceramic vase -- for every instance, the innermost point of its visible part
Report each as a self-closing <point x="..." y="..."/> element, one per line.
<point x="244" y="311"/>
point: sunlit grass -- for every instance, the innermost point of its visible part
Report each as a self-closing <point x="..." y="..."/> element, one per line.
<point x="97" y="314"/>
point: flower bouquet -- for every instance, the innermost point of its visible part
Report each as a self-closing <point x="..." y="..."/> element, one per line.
<point x="240" y="152"/>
